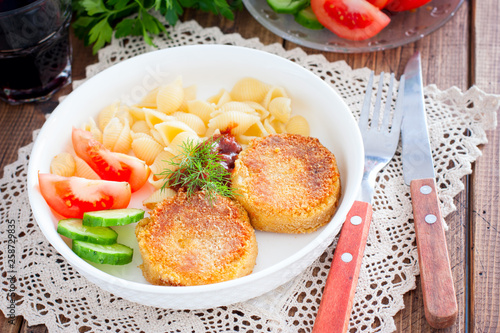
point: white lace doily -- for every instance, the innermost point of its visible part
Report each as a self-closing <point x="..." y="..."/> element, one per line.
<point x="51" y="292"/>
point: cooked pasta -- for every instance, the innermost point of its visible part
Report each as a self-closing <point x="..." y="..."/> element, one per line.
<point x="170" y="129"/>
<point x="140" y="126"/>
<point x="83" y="170"/>
<point x="298" y="125"/>
<point x="149" y="101"/>
<point x="170" y="97"/>
<point x="201" y="109"/>
<point x="175" y="147"/>
<point x="221" y="98"/>
<point x="249" y="89"/>
<point x="158" y="196"/>
<point x="154" y="117"/>
<point x="281" y="108"/>
<point x="92" y="127"/>
<point x="193" y="121"/>
<point x="116" y="136"/>
<point x="234" y="121"/>
<point x="263" y="113"/>
<point x="146" y="148"/>
<point x="189" y="95"/>
<point x="63" y="164"/>
<point x="273" y="93"/>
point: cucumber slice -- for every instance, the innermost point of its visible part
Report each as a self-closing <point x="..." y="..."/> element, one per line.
<point x="115" y="254"/>
<point x="74" y="229"/>
<point x="306" y="18"/>
<point x="112" y="217"/>
<point x="287" y="6"/>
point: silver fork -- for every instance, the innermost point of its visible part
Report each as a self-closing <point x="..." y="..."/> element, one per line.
<point x="380" y="139"/>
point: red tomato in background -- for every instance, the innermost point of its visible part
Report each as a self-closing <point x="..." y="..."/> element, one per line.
<point x="350" y="19"/>
<point x="107" y="164"/>
<point x="401" y="5"/>
<point x="379" y="3"/>
<point x="73" y="196"/>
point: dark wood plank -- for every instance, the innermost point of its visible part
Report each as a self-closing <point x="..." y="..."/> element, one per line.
<point x="485" y="212"/>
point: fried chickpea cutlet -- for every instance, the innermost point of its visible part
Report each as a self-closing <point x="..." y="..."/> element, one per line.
<point x="190" y="241"/>
<point x="288" y="183"/>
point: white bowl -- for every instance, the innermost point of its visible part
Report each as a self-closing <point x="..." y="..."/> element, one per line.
<point x="211" y="67"/>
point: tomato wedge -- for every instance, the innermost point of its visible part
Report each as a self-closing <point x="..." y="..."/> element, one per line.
<point x="350" y="19"/>
<point x="401" y="5"/>
<point x="379" y="3"/>
<point x="72" y="196"/>
<point x="107" y="164"/>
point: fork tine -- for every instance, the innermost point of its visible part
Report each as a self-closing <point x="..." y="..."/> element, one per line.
<point x="378" y="101"/>
<point x="387" y="111"/>
<point x="365" y="110"/>
<point x="398" y="110"/>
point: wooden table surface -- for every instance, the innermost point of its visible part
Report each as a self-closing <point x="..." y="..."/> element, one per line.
<point x="464" y="52"/>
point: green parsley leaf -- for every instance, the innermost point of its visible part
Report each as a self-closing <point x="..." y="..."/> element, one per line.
<point x="96" y="20"/>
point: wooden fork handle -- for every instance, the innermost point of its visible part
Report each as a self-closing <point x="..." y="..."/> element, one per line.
<point x="440" y="303"/>
<point x="336" y="304"/>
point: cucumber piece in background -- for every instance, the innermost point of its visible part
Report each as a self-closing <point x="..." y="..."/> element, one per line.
<point x="287" y="6"/>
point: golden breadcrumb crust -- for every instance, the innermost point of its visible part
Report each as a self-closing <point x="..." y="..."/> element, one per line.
<point x="188" y="241"/>
<point x="288" y="183"/>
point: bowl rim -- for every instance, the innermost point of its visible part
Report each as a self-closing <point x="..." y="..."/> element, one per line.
<point x="48" y="229"/>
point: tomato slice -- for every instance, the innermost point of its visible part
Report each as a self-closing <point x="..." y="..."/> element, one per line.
<point x="107" y="164"/>
<point x="379" y="3"/>
<point x="350" y="19"/>
<point x="72" y="196"/>
<point x="401" y="5"/>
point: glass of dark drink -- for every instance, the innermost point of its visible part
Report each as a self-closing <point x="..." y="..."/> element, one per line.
<point x="35" y="53"/>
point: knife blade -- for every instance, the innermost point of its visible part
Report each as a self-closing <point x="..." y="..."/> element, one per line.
<point x="440" y="304"/>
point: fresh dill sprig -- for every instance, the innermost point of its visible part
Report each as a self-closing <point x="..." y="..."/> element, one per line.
<point x="197" y="168"/>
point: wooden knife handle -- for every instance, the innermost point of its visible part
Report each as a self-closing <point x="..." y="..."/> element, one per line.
<point x="440" y="303"/>
<point x="336" y="303"/>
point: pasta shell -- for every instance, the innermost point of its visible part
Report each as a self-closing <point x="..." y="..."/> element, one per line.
<point x="201" y="109"/>
<point x="170" y="97"/>
<point x="221" y="98"/>
<point x="273" y="93"/>
<point x="154" y="117"/>
<point x="298" y="125"/>
<point x="146" y="149"/>
<point x="156" y="182"/>
<point x="233" y="121"/>
<point x="169" y="130"/>
<point x="84" y="170"/>
<point x="111" y="133"/>
<point x="237" y="106"/>
<point x="175" y="147"/>
<point x="124" y="140"/>
<point x="157" y="136"/>
<point x="193" y="121"/>
<point x="140" y="126"/>
<point x="189" y="95"/>
<point x="149" y="101"/>
<point x="263" y="113"/>
<point x="137" y="113"/>
<point x="109" y="112"/>
<point x="63" y="164"/>
<point x="158" y="196"/>
<point x="281" y="108"/>
<point x="249" y="89"/>
<point x="92" y="127"/>
<point x="160" y="164"/>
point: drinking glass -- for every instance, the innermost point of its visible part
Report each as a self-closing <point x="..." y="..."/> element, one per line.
<point x="35" y="53"/>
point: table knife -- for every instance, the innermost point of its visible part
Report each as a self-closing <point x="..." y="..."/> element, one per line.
<point x="440" y="304"/>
